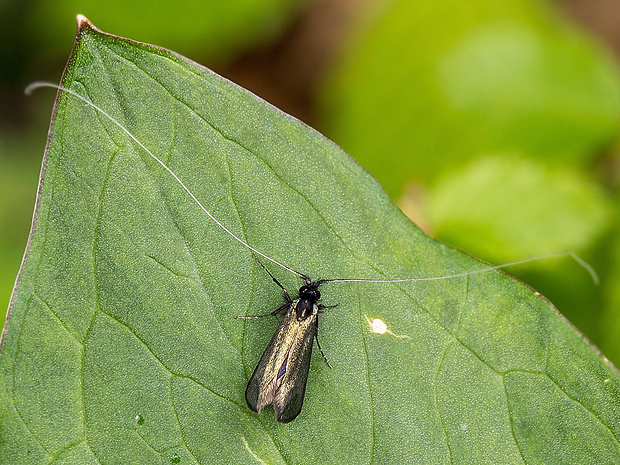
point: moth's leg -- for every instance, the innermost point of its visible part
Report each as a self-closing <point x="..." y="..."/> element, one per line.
<point x="316" y="336"/>
<point x="282" y="308"/>
<point x="323" y="307"/>
<point x="275" y="312"/>
<point x="286" y="296"/>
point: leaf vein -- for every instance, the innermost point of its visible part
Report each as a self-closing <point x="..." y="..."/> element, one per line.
<point x="97" y="233"/>
<point x="49" y="308"/>
<point x="36" y="439"/>
<point x="511" y="421"/>
<point x="569" y="396"/>
<point x="436" y="383"/>
<point x="91" y="324"/>
<point x="65" y="449"/>
<point x="170" y="270"/>
<point x="176" y="415"/>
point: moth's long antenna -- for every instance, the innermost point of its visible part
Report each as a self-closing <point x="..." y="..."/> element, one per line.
<point x="39" y="84"/>
<point x="573" y="255"/>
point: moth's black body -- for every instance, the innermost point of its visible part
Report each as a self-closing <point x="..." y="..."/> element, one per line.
<point x="281" y="374"/>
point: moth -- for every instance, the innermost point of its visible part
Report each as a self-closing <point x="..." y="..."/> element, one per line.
<point x="281" y="374"/>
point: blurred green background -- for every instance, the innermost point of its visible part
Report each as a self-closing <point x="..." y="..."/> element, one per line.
<point x="493" y="124"/>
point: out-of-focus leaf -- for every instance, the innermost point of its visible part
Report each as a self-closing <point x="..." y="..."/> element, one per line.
<point x="610" y="323"/>
<point x="213" y="30"/>
<point x="430" y="85"/>
<point x="505" y="208"/>
<point x="121" y="346"/>
<point x="18" y="175"/>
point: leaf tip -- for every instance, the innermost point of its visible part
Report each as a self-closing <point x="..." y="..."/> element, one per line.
<point x="83" y="22"/>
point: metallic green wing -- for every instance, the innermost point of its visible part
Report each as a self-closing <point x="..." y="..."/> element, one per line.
<point x="281" y="374"/>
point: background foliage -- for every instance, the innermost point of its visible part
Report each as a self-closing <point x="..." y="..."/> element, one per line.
<point x="494" y="127"/>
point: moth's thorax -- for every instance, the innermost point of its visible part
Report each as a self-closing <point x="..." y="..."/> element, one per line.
<point x="305" y="308"/>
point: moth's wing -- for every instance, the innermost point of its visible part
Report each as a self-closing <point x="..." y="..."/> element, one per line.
<point x="289" y="397"/>
<point x="261" y="387"/>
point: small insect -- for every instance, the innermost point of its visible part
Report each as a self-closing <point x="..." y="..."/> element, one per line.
<point x="281" y="374"/>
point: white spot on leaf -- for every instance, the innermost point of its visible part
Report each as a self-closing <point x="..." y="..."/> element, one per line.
<point x="378" y="326"/>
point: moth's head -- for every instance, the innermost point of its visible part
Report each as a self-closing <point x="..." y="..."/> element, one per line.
<point x="310" y="291"/>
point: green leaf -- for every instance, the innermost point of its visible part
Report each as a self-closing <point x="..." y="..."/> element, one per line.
<point x="121" y="346"/>
<point x="428" y="86"/>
